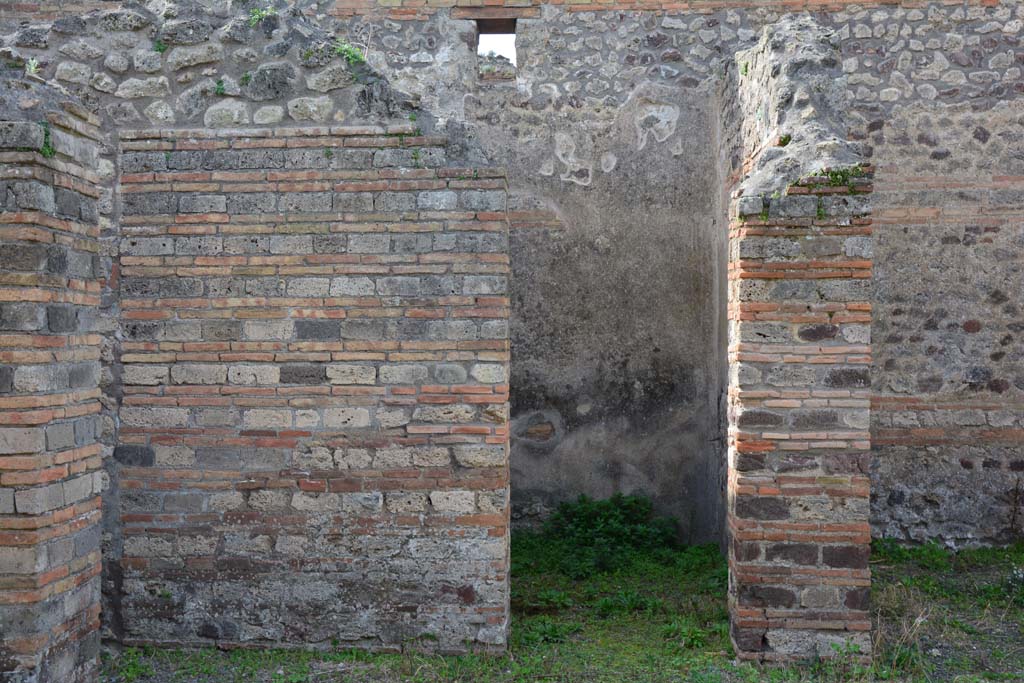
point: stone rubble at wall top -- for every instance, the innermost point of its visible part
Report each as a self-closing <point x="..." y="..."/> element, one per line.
<point x="791" y="89"/>
<point x="285" y="69"/>
<point x="189" y="65"/>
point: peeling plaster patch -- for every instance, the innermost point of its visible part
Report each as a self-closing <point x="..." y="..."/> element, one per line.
<point x="550" y="89"/>
<point x="608" y="162"/>
<point x="548" y="167"/>
<point x="657" y="119"/>
<point x="576" y="171"/>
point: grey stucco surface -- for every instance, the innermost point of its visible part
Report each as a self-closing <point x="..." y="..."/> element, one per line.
<point x="618" y="328"/>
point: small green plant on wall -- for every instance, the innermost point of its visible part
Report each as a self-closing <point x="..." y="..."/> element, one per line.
<point x="352" y="54"/>
<point x="258" y="14"/>
<point x="47" y="149"/>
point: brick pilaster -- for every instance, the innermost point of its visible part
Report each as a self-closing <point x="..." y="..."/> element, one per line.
<point x="49" y="396"/>
<point x="799" y="403"/>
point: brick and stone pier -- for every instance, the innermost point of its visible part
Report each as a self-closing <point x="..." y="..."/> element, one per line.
<point x="800" y="259"/>
<point x="50" y="458"/>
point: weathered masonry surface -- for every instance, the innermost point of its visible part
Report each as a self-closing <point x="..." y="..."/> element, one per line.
<point x="284" y="313"/>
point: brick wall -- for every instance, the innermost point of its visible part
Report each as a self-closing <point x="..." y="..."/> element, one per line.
<point x="49" y="398"/>
<point x="313" y="440"/>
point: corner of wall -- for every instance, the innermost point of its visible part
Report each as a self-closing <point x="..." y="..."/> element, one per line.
<point x="50" y="455"/>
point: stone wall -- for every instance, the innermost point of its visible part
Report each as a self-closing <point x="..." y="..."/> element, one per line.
<point x="581" y="73"/>
<point x="937" y="94"/>
<point x="948" y="414"/>
<point x="315" y="373"/>
<point x="614" y="207"/>
<point x="50" y="460"/>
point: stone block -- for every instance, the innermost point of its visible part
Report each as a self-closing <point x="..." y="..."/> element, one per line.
<point x="145" y="375"/>
<point x="15" y="440"/>
<point x="369" y="502"/>
<point x="480" y="455"/>
<point x="21" y="317"/>
<point x="73" y="72"/>
<point x="309" y="287"/>
<point x="259" y="330"/>
<point x="60" y="436"/>
<point x="226" y="114"/>
<point x="317" y="330"/>
<point x="484" y="284"/>
<point x="36" y="501"/>
<point x="303" y="373"/>
<point x="305" y="202"/>
<point x="449" y="373"/>
<point x="133" y="455"/>
<point x="134" y="88"/>
<point x="22" y="559"/>
<point x="148" y="416"/>
<point x="444" y="413"/>
<point x="354" y="202"/>
<point x="370" y="243"/>
<point x="348" y="373"/>
<point x="335" y="418"/>
<point x="202" y="203"/>
<point x="77" y="489"/>
<point x="184" y="57"/>
<point x="405" y="502"/>
<point x="198" y="373"/>
<point x="15" y="134"/>
<point x="351" y="286"/>
<point x="267" y="418"/>
<point x="316" y="109"/>
<point x="403" y="374"/>
<point x="254" y="374"/>
<point x="457" y="502"/>
<point x="489" y="373"/>
<point x="316" y="502"/>
<point x="388" y="418"/>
